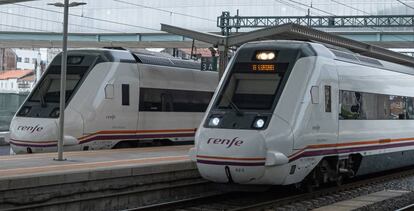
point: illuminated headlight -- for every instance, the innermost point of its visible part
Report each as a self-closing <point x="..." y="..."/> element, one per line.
<point x="214" y="122"/>
<point x="265" y="55"/>
<point x="259" y="122"/>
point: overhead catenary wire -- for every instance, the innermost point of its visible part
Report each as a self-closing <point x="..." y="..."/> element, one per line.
<point x="351" y="8"/>
<point x="359" y="10"/>
<point x="312" y="7"/>
<point x="405" y="4"/>
<point x="296" y="7"/>
<point x="164" y="10"/>
<point x="88" y="17"/>
<point x="59" y="22"/>
<point x="26" y="28"/>
<point x="367" y="13"/>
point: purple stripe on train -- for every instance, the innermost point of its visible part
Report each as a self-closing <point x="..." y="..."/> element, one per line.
<point x="349" y="150"/>
<point x="212" y="162"/>
<point x="110" y="137"/>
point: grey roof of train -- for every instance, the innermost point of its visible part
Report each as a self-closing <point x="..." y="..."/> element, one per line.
<point x="167" y="61"/>
<point x="348" y="56"/>
<point x="345" y="55"/>
<point x="145" y="57"/>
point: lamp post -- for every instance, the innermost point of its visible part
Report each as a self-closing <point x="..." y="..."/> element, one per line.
<point x="62" y="101"/>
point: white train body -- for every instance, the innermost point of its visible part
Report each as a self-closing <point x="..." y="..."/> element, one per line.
<point x="325" y="115"/>
<point x="113" y="97"/>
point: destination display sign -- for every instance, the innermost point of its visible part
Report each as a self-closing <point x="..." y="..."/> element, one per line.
<point x="264" y="67"/>
<point x="260" y="67"/>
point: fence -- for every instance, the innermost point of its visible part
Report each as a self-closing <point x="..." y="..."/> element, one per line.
<point x="9" y="103"/>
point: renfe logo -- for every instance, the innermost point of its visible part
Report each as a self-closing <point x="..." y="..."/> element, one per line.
<point x="228" y="142"/>
<point x="31" y="129"/>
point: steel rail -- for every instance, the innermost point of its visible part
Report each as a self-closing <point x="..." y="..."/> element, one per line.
<point x="329" y="191"/>
<point x="189" y="204"/>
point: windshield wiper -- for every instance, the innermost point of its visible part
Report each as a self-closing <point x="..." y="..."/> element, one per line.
<point x="42" y="101"/>
<point x="234" y="106"/>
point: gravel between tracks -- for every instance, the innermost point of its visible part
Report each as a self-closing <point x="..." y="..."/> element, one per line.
<point x="406" y="184"/>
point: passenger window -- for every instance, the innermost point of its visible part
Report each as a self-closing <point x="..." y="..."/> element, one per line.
<point x="351" y="105"/>
<point x="170" y="100"/>
<point x="125" y="94"/>
<point x="167" y="102"/>
<point x="328" y="99"/>
<point x="410" y="108"/>
<point x="371" y="106"/>
<point x="397" y="106"/>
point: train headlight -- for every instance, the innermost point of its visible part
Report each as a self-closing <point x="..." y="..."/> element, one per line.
<point x="214" y="121"/>
<point x="265" y="55"/>
<point x="259" y="122"/>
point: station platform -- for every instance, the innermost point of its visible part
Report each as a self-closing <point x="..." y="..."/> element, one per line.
<point x="77" y="161"/>
<point x="98" y="180"/>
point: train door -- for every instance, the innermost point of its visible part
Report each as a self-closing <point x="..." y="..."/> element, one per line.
<point x="115" y="112"/>
<point x="321" y="125"/>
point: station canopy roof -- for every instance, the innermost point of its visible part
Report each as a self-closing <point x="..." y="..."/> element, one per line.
<point x="294" y="32"/>
<point x="12" y="1"/>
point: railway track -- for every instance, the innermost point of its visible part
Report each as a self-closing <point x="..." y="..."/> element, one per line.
<point x="281" y="196"/>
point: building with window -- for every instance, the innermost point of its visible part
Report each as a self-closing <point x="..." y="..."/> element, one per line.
<point x="7" y="59"/>
<point x="16" y="81"/>
<point x="26" y="59"/>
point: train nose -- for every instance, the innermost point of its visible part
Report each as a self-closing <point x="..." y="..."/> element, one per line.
<point x="231" y="158"/>
<point x="30" y="135"/>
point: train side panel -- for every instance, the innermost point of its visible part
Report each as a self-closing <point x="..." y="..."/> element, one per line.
<point x="384" y="143"/>
<point x="167" y="85"/>
<point x="313" y="118"/>
<point x="100" y="102"/>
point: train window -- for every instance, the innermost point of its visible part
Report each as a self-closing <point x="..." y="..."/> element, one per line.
<point x="328" y="99"/>
<point x="49" y="89"/>
<point x="397" y="107"/>
<point x="250" y="91"/>
<point x="370" y="106"/>
<point x="351" y="105"/>
<point x="125" y="94"/>
<point x="410" y="107"/>
<point x="169" y="100"/>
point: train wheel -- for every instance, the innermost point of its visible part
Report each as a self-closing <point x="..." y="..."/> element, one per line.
<point x="339" y="180"/>
<point x="311" y="182"/>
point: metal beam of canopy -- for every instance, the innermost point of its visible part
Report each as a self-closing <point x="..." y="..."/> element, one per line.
<point x="293" y="32"/>
<point x="12" y="1"/>
<point x="214" y="39"/>
<point x="298" y="32"/>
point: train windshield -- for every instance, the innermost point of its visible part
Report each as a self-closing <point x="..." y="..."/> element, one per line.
<point x="43" y="101"/>
<point x="49" y="90"/>
<point x="250" y="90"/>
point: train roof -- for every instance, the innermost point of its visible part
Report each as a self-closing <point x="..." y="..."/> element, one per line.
<point x="338" y="53"/>
<point x="144" y="57"/>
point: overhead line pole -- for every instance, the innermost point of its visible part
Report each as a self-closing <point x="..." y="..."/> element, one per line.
<point x="63" y="81"/>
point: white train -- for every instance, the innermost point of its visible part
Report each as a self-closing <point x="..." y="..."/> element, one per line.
<point x="114" y="98"/>
<point x="292" y="112"/>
